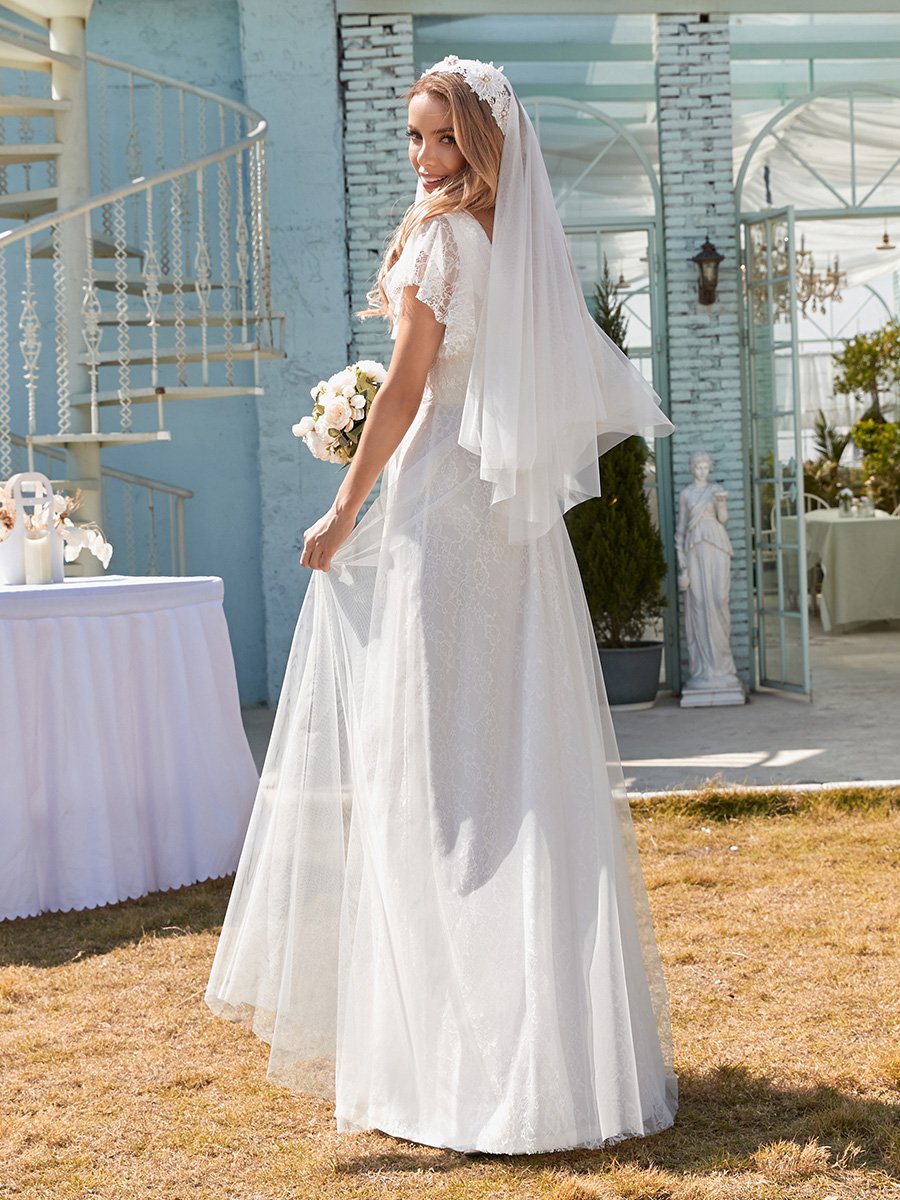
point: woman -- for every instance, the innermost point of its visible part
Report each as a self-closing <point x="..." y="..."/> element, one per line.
<point x="439" y="917"/>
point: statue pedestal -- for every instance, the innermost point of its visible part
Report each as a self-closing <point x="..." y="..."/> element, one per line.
<point x="712" y="697"/>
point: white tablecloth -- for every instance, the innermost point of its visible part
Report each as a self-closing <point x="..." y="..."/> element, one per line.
<point x="124" y="767"/>
<point x="860" y="559"/>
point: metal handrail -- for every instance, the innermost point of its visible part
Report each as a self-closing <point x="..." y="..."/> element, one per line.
<point x="32" y="41"/>
<point x="58" y="216"/>
<point x="170" y="81"/>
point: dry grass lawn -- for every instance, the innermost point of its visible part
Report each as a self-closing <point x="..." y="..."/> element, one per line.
<point x="777" y="919"/>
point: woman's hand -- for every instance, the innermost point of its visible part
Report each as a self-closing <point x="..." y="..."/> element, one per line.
<point x="322" y="540"/>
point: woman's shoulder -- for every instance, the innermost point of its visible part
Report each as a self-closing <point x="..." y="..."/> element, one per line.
<point x="459" y="226"/>
<point x="466" y="224"/>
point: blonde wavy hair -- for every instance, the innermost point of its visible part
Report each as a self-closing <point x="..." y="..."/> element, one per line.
<point x="480" y="141"/>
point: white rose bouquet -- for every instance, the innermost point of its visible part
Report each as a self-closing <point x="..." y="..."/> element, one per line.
<point x="340" y="407"/>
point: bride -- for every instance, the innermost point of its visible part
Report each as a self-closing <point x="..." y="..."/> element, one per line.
<point x="439" y="918"/>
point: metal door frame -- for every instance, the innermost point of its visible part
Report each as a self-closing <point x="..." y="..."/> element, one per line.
<point x="781" y="544"/>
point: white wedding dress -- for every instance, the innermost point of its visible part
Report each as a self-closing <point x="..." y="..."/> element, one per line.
<point x="439" y="918"/>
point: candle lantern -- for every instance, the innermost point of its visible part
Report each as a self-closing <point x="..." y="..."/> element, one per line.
<point x="707" y="260"/>
<point x="32" y="555"/>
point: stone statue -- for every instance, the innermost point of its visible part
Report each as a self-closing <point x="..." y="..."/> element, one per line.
<point x="704" y="579"/>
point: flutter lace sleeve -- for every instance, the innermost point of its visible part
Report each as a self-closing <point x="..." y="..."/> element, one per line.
<point x="432" y="263"/>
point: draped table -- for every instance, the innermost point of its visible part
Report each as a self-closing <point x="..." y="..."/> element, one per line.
<point x="124" y="767"/>
<point x="860" y="558"/>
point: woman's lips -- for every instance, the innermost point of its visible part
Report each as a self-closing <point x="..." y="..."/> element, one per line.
<point x="430" y="182"/>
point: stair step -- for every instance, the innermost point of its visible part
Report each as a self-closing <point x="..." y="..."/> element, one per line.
<point x="22" y="206"/>
<point x="138" y="316"/>
<point x="101" y="439"/>
<point x="103" y="248"/>
<point x="28" y="152"/>
<point x="32" y="106"/>
<point x="150" y="396"/>
<point x="240" y="351"/>
<point x="135" y="284"/>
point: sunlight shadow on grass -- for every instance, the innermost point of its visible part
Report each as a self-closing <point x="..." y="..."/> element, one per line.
<point x="55" y="938"/>
<point x="727" y="1119"/>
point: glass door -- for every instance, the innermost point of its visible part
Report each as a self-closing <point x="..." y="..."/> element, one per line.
<point x="776" y="457"/>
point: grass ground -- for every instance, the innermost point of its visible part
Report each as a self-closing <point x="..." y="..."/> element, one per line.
<point x="778" y="919"/>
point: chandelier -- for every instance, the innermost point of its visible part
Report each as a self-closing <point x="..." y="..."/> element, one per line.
<point x="815" y="288"/>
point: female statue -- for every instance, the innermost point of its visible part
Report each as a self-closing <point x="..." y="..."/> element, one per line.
<point x="704" y="578"/>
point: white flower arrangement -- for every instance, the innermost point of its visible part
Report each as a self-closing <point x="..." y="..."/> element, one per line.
<point x="75" y="537"/>
<point x="340" y="407"/>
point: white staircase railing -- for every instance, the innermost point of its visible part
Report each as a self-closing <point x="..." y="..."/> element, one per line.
<point x="167" y="269"/>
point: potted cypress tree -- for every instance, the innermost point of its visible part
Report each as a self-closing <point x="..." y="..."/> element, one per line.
<point x="619" y="550"/>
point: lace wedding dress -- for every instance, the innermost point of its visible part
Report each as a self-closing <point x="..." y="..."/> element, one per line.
<point x="439" y="918"/>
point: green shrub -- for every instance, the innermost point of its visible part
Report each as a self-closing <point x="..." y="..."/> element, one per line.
<point x="616" y="544"/>
<point x="870" y="367"/>
<point x="879" y="442"/>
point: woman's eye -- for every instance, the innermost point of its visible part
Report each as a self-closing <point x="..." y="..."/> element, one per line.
<point x="449" y="139"/>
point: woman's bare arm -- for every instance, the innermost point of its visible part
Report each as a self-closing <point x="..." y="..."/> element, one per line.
<point x="419" y="335"/>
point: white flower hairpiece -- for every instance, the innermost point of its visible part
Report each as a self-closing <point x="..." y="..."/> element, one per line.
<point x="486" y="81"/>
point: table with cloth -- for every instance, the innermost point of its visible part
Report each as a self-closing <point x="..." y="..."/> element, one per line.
<point x="124" y="766"/>
<point x="860" y="560"/>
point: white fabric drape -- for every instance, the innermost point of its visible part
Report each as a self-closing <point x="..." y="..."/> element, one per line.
<point x="548" y="391"/>
<point x="125" y="768"/>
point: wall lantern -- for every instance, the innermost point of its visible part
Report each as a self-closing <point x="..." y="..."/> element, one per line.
<point x="708" y="265"/>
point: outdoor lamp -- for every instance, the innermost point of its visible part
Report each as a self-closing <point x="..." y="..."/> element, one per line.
<point x="707" y="262"/>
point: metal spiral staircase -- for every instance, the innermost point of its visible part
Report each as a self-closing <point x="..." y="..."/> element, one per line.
<point x="133" y="225"/>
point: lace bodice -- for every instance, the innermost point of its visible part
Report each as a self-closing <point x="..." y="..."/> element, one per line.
<point x="447" y="259"/>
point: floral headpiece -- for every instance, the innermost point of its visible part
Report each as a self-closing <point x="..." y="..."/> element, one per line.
<point x="486" y="81"/>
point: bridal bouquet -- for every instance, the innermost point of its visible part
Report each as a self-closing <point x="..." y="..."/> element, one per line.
<point x="75" y="537"/>
<point x="340" y="407"/>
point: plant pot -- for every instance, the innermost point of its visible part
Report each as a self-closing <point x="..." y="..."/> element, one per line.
<point x="631" y="674"/>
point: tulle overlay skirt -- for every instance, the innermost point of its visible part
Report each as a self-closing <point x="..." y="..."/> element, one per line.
<point x="439" y="918"/>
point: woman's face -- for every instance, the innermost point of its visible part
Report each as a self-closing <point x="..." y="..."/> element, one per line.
<point x="433" y="152"/>
<point x="701" y="470"/>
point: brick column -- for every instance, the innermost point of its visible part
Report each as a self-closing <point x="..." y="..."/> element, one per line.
<point x="377" y="69"/>
<point x="695" y="140"/>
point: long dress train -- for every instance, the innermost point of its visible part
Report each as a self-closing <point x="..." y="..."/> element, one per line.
<point x="439" y="917"/>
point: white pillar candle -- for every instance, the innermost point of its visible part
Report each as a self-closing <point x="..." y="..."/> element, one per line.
<point x="38" y="562"/>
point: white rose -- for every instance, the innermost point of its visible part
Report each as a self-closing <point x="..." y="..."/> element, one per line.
<point x="338" y="413"/>
<point x="322" y="427"/>
<point x="372" y="368"/>
<point x="349" y="425"/>
<point x="342" y="379"/>
<point x="358" y="401"/>
<point x="304" y="426"/>
<point x="316" y="445"/>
